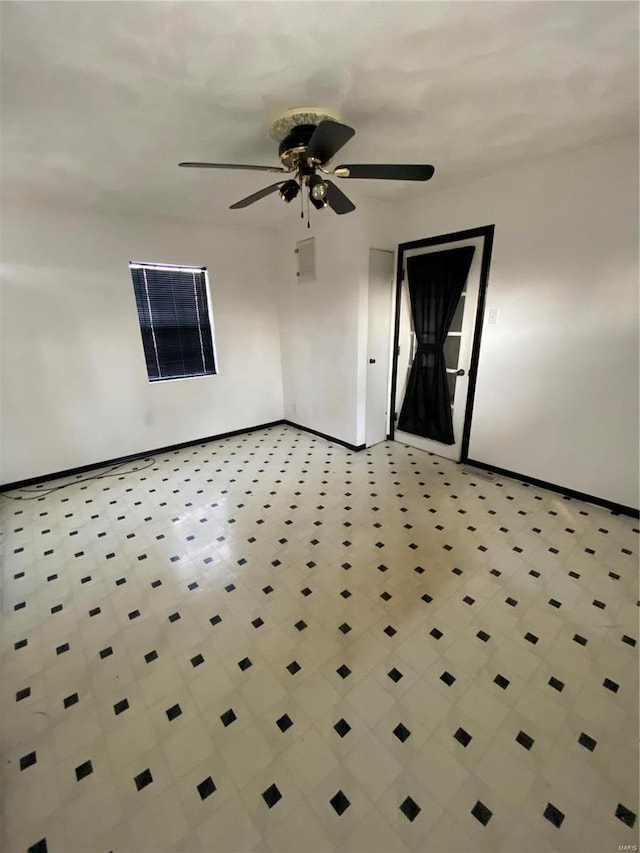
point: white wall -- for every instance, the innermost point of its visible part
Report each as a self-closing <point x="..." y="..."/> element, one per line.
<point x="557" y="388"/>
<point x="74" y="383"/>
<point x="557" y="391"/>
<point x="324" y="323"/>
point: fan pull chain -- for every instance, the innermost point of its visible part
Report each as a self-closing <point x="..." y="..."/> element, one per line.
<point x="308" y="214"/>
<point x="301" y="204"/>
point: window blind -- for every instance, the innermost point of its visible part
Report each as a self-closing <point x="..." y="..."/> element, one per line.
<point x="174" y="320"/>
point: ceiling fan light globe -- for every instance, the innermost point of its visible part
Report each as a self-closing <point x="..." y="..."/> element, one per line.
<point x="319" y="191"/>
<point x="288" y="191"/>
<point x="317" y="188"/>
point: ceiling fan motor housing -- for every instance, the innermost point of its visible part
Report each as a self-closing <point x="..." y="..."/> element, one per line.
<point x="293" y="146"/>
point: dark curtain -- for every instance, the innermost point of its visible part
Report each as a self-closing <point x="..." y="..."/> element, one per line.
<point x="436" y="281"/>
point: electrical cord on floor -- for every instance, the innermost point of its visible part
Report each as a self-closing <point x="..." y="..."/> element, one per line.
<point x="112" y="472"/>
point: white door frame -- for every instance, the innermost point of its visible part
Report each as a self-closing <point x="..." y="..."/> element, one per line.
<point x="486" y="233"/>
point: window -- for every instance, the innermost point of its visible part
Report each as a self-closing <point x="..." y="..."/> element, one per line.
<point x="173" y="312"/>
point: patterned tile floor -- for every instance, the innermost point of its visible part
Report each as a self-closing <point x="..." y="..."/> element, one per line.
<point x="269" y="643"/>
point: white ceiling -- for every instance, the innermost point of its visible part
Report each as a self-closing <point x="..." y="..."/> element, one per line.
<point x="101" y="100"/>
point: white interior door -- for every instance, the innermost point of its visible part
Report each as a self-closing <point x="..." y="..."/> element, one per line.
<point x="378" y="345"/>
<point x="457" y="349"/>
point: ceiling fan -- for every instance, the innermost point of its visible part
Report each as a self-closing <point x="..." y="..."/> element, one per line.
<point x="308" y="139"/>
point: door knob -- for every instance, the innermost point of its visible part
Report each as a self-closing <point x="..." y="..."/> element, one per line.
<point x="372" y="361"/>
<point x="460" y="372"/>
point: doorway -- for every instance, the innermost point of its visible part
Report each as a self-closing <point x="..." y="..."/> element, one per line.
<point x="460" y="342"/>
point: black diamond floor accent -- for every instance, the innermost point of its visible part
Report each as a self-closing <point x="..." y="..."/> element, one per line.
<point x="245" y="663"/>
<point x="553" y="815"/>
<point x="39" y="847"/>
<point x="447" y="678"/>
<point x="206" y="788"/>
<point x="410" y="809"/>
<point x="340" y="803"/>
<point x="395" y="675"/>
<point x="401" y="732"/>
<point x="345" y="628"/>
<point x="556" y="684"/>
<point x="294" y="667"/>
<point x="173" y="712"/>
<point x="272" y="795"/>
<point x="301" y="625"/>
<point x="85" y="769"/>
<point x="27" y="760"/>
<point x="257" y="622"/>
<point x="611" y="685"/>
<point x="120" y="706"/>
<point x="482" y="813"/>
<point x="524" y="740"/>
<point x="215" y="619"/>
<point x="587" y="741"/>
<point x="625" y="815"/>
<point x="23" y="694"/>
<point x="151" y="656"/>
<point x="343" y="671"/>
<point x="68" y="701"/>
<point x="228" y="717"/>
<point x="143" y="779"/>
<point x="342" y="727"/>
<point x="463" y="737"/>
<point x="501" y="681"/>
<point x="284" y="722"/>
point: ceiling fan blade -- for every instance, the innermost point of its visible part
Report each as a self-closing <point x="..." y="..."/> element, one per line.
<point x="337" y="200"/>
<point x="388" y="172"/>
<point x="245" y="202"/>
<point x="232" y="166"/>
<point x="328" y="138"/>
